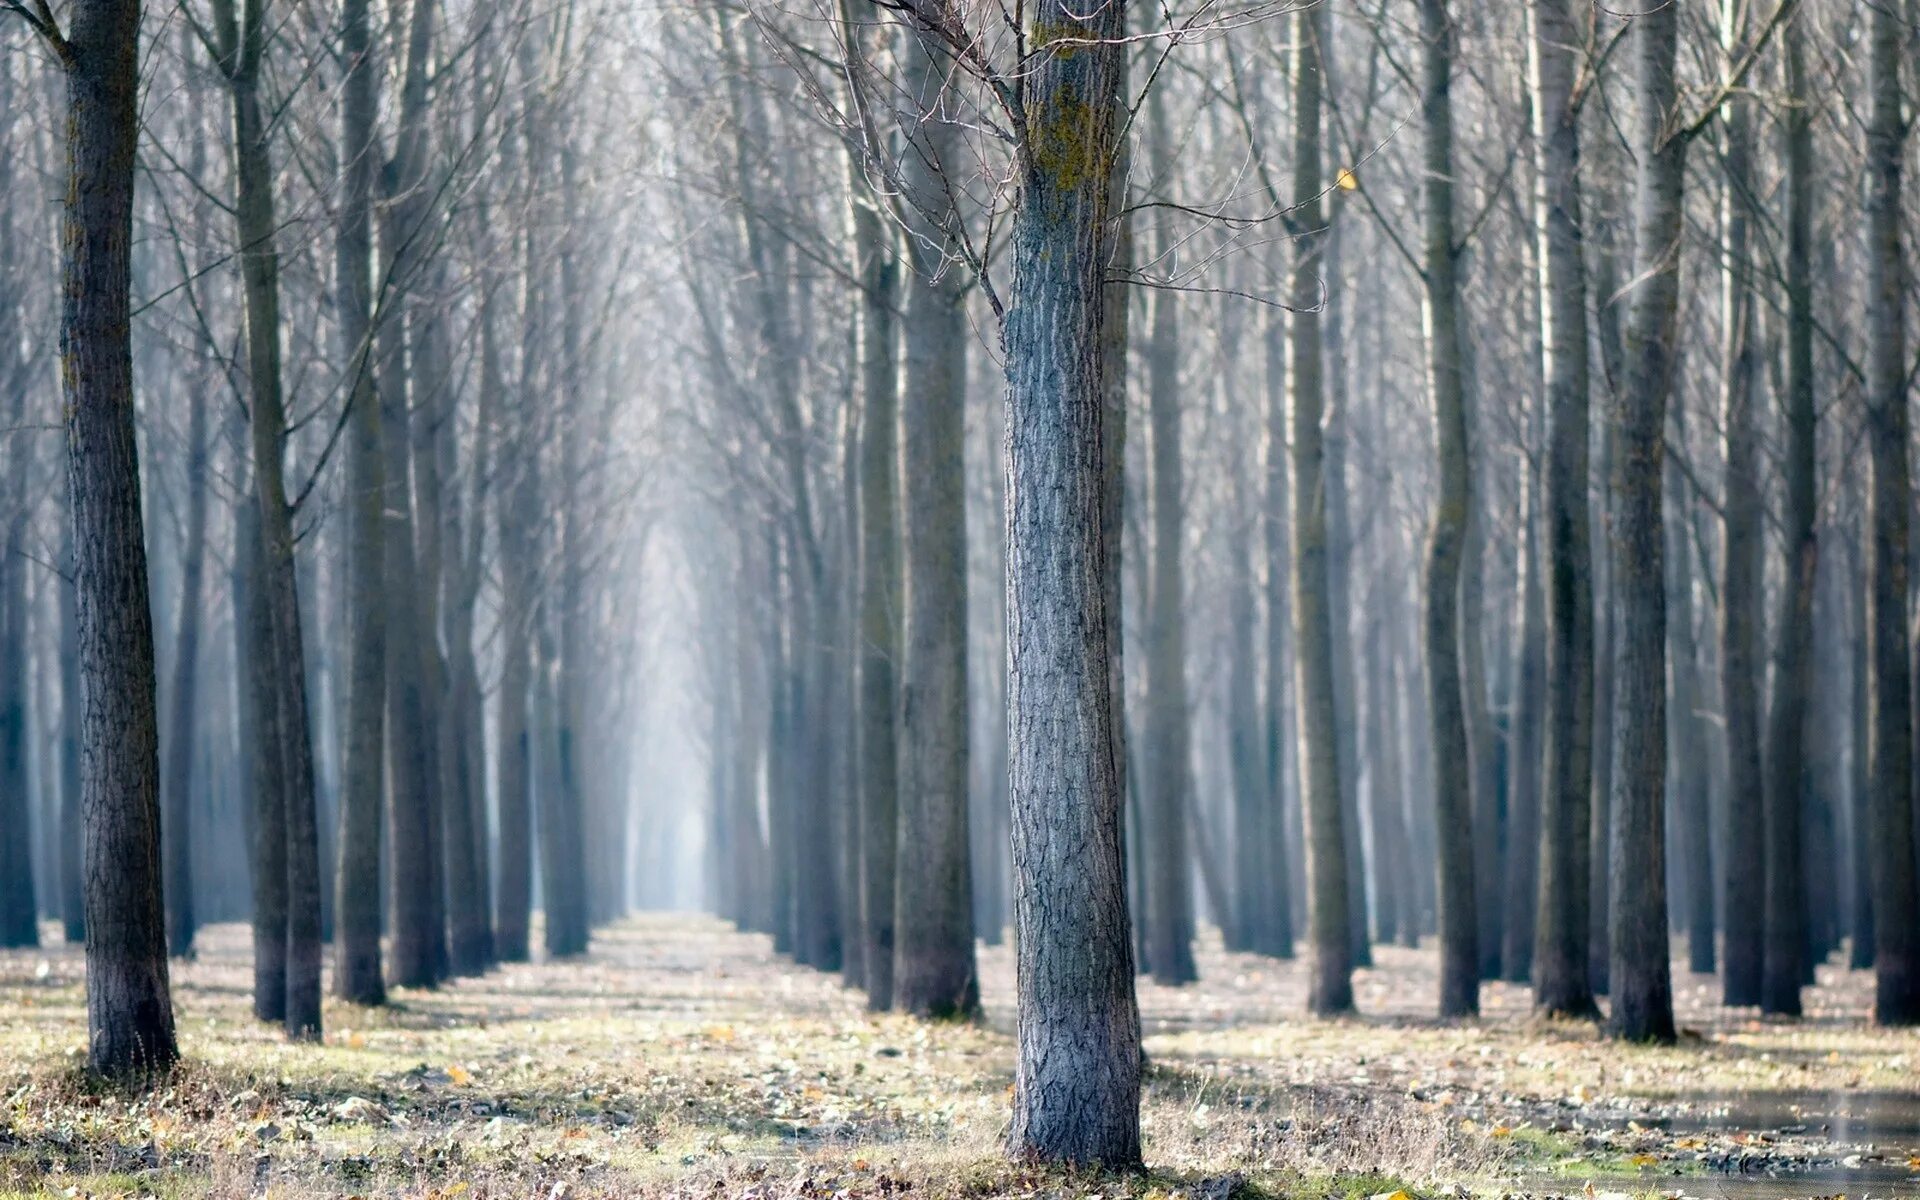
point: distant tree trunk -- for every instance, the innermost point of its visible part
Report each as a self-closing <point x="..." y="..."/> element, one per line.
<point x="1330" y="985"/>
<point x="1168" y="783"/>
<point x="933" y="972"/>
<point x="265" y="767"/>
<point x="1896" y="935"/>
<point x="1606" y="638"/>
<point x="357" y="919"/>
<point x="1253" y="815"/>
<point x="73" y="896"/>
<point x="1485" y="741"/>
<point x="1523" y="838"/>
<point x="1454" y="799"/>
<point x="18" y="923"/>
<point x="1393" y="865"/>
<point x="1786" y="956"/>
<point x="1742" y="595"/>
<point x="1077" y="1079"/>
<point x="1273" y="934"/>
<point x="1691" y="815"/>
<point x="129" y="1011"/>
<point x="177" y="793"/>
<point x="1859" y="724"/>
<point x="1561" y="983"/>
<point x="880" y="602"/>
<point x="1339" y="596"/>
<point x="242" y="47"/>
<point x="1642" y="985"/>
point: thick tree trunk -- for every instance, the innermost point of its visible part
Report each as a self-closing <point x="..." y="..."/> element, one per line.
<point x="1077" y="1079"/>
<point x="1896" y="935"/>
<point x="265" y="765"/>
<point x="1454" y="799"/>
<point x="1561" y="983"/>
<point x="1859" y="725"/>
<point x="129" y="1011"/>
<point x="1642" y="985"/>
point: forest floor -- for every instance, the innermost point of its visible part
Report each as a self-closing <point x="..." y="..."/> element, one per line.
<point x="681" y="1058"/>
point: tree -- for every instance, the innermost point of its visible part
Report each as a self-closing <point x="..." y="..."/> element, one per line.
<point x="1742" y="571"/>
<point x="1561" y="951"/>
<point x="1785" y="953"/>
<point x="177" y="790"/>
<point x="129" y="1008"/>
<point x="1077" y="1076"/>
<point x="357" y="975"/>
<point x="1641" y="984"/>
<point x="1454" y="799"/>
<point x="933" y="971"/>
<point x="1330" y="986"/>
<point x="1168" y="780"/>
<point x="1897" y="938"/>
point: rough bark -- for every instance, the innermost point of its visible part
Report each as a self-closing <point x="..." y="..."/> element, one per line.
<point x="1077" y="1078"/>
<point x="1273" y="933"/>
<point x="1524" y="825"/>
<point x="129" y="1012"/>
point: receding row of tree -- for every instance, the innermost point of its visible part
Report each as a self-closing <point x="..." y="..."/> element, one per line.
<point x="1354" y="472"/>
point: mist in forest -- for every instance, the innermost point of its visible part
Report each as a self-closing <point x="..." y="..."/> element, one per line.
<point x="1418" y="488"/>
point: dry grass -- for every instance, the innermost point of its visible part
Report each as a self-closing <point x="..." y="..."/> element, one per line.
<point x="681" y="1058"/>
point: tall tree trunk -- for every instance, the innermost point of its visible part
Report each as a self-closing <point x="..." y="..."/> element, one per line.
<point x="933" y="972"/>
<point x="1786" y="956"/>
<point x="1642" y="985"/>
<point x="19" y="925"/>
<point x="177" y="793"/>
<point x="1896" y="935"/>
<point x="1561" y="983"/>
<point x="1274" y="932"/>
<point x="880" y="601"/>
<point x="357" y="915"/>
<point x="73" y="897"/>
<point x="1860" y="722"/>
<point x="1077" y="1079"/>
<point x="1742" y="573"/>
<point x="1524" y="800"/>
<point x="265" y="766"/>
<point x="1691" y="804"/>
<point x="129" y="1011"/>
<point x="1330" y="984"/>
<point x="1253" y="815"/>
<point x="1453" y="798"/>
<point x="1168" y="782"/>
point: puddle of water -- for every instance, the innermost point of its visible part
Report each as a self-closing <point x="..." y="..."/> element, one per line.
<point x="1771" y="1146"/>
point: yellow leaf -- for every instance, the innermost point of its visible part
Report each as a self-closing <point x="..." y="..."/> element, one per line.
<point x="861" y="1164"/>
<point x="1501" y="1131"/>
<point x="813" y="1092"/>
<point x="357" y="1040"/>
<point x="721" y="1033"/>
<point x="1396" y="1195"/>
<point x="460" y="1076"/>
<point x="1644" y="1160"/>
<point x="1345" y="180"/>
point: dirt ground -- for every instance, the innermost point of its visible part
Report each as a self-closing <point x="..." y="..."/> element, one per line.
<point x="681" y="1058"/>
